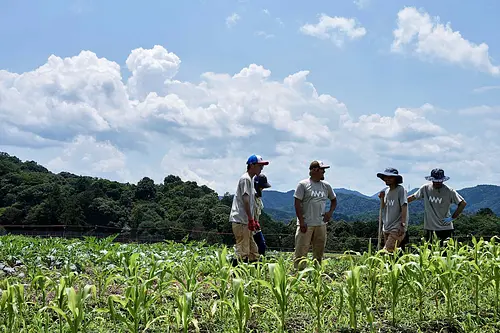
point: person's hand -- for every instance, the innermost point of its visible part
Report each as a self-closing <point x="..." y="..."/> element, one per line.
<point x="257" y="225"/>
<point x="448" y="220"/>
<point x="327" y="217"/>
<point x="252" y="226"/>
<point x="381" y="194"/>
<point x="303" y="228"/>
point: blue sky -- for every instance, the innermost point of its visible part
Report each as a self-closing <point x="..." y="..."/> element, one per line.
<point x="446" y="87"/>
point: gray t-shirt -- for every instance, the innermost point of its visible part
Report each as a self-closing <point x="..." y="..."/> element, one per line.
<point x="393" y="207"/>
<point x="245" y="186"/>
<point x="314" y="196"/>
<point x="437" y="204"/>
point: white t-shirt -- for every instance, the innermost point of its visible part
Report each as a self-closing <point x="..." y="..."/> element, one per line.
<point x="245" y="186"/>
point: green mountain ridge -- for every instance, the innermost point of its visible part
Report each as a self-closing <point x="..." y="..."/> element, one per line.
<point x="279" y="205"/>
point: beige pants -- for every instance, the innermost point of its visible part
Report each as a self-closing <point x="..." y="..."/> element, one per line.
<point x="390" y="239"/>
<point x="245" y="247"/>
<point x="315" y="236"/>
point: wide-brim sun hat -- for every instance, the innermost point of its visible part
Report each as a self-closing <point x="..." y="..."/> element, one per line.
<point x="391" y="172"/>
<point x="437" y="175"/>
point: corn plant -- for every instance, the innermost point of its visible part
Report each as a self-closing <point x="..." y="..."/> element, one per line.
<point x="418" y="272"/>
<point x="12" y="304"/>
<point x="135" y="303"/>
<point x="352" y="289"/>
<point x="74" y="310"/>
<point x="240" y="306"/>
<point x="221" y="279"/>
<point x="281" y="287"/>
<point x="448" y="270"/>
<point x="394" y="272"/>
<point x="316" y="291"/>
<point x="184" y="312"/>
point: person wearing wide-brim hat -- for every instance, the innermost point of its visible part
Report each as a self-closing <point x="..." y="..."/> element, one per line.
<point x="438" y="198"/>
<point x="394" y="209"/>
<point x="260" y="183"/>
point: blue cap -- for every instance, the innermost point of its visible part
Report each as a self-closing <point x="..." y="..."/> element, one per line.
<point x="256" y="159"/>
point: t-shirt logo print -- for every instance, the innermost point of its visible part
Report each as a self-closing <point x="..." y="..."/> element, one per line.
<point x="318" y="194"/>
<point x="435" y="199"/>
<point x="390" y="202"/>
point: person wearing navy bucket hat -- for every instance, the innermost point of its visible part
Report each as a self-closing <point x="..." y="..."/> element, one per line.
<point x="260" y="183"/>
<point x="242" y="212"/>
<point x="438" y="198"/>
<point x="393" y="215"/>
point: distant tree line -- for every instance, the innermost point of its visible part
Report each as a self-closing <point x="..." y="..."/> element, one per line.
<point x="31" y="195"/>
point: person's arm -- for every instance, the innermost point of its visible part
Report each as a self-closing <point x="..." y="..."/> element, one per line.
<point x="333" y="204"/>
<point x="417" y="195"/>
<point x="459" y="209"/>
<point x="246" y="206"/>
<point x="403" y="201"/>
<point x="404" y="214"/>
<point x="298" y="196"/>
<point x="459" y="201"/>
<point x="298" y="211"/>
<point x="381" y="196"/>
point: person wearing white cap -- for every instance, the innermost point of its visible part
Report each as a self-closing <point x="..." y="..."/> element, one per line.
<point x="241" y="216"/>
<point x="438" y="198"/>
<point x="311" y="196"/>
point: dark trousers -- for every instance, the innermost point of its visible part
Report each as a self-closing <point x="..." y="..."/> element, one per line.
<point x="442" y="235"/>
<point x="261" y="242"/>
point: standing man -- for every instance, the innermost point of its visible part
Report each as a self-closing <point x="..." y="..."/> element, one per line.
<point x="437" y="203"/>
<point x="394" y="204"/>
<point x="311" y="196"/>
<point x="241" y="216"/>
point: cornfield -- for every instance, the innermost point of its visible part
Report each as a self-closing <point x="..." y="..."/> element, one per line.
<point x="98" y="285"/>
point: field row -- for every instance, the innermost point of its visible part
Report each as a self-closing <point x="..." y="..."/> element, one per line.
<point x="97" y="285"/>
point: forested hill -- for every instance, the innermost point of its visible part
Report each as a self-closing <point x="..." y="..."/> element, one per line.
<point x="354" y="206"/>
<point x="32" y="195"/>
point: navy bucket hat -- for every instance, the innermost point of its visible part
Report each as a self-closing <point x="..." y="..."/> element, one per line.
<point x="391" y="172"/>
<point x="437" y="175"/>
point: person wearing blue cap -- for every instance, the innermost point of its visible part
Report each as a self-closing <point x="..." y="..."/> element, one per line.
<point x="242" y="212"/>
<point x="260" y="183"/>
<point x="438" y="198"/>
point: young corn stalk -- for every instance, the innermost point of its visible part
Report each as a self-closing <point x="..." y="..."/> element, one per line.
<point x="281" y="287"/>
<point x="493" y="272"/>
<point x="220" y="281"/>
<point x="476" y="266"/>
<point x="352" y="289"/>
<point x="394" y="272"/>
<point x="184" y="312"/>
<point x="74" y="311"/>
<point x="418" y="272"/>
<point x="448" y="270"/>
<point x="12" y="303"/>
<point x="316" y="291"/>
<point x="138" y="298"/>
<point x="240" y="306"/>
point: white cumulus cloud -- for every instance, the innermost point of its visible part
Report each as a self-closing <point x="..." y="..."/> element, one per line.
<point x="335" y="28"/>
<point x="427" y="37"/>
<point x="79" y="115"/>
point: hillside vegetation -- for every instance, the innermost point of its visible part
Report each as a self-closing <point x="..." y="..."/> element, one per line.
<point x="35" y="201"/>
